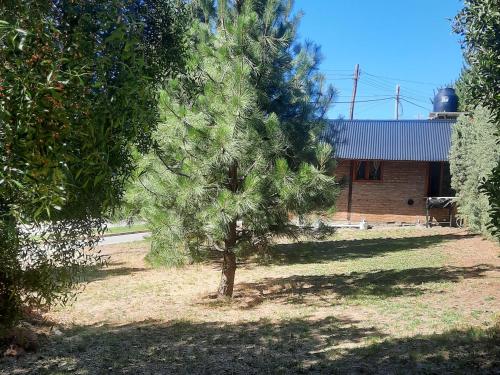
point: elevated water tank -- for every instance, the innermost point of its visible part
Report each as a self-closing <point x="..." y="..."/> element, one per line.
<point x="446" y="100"/>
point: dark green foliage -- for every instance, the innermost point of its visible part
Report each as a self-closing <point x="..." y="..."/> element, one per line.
<point x="462" y="90"/>
<point x="492" y="187"/>
<point x="228" y="170"/>
<point x="284" y="72"/>
<point x="479" y="24"/>
<point x="474" y="153"/>
<point x="78" y="87"/>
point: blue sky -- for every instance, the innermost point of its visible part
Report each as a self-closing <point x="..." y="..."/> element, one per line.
<point x="394" y="41"/>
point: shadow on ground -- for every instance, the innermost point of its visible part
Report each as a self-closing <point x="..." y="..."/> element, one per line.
<point x="326" y="251"/>
<point x="112" y="269"/>
<point x="380" y="283"/>
<point x="297" y="346"/>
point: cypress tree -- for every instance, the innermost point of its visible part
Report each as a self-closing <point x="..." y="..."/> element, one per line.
<point x="473" y="155"/>
<point x="479" y="25"/>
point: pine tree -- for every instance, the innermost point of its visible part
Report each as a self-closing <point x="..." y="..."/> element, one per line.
<point x="220" y="178"/>
<point x="285" y="71"/>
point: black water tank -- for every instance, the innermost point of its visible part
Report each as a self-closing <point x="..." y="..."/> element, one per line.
<point x="446" y="100"/>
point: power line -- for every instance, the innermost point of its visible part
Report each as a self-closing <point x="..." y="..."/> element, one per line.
<point x="418" y="93"/>
<point x="366" y="108"/>
<point x="416" y="99"/>
<point x="338" y="79"/>
<point x="367" y="81"/>
<point x="384" y="90"/>
<point x="408" y="101"/>
<point x="336" y="70"/>
<point x="402" y="80"/>
<point x="337" y="74"/>
<point x="362" y="96"/>
<point x="382" y="86"/>
<point x="361" y="101"/>
<point x="366" y="101"/>
<point x="388" y="85"/>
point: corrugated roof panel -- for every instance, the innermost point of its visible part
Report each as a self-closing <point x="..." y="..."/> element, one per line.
<point x="416" y="140"/>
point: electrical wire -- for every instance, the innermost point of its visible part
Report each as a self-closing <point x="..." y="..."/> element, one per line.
<point x="338" y="75"/>
<point x="366" y="101"/>
<point x="337" y="79"/>
<point x="362" y="101"/>
<point x="416" y="93"/>
<point x="415" y="96"/>
<point x="376" y="85"/>
<point x="383" y="87"/>
<point x="381" y="84"/>
<point x="388" y="85"/>
<point x="368" y="107"/>
<point x="402" y="80"/>
<point x="408" y="101"/>
<point x="337" y="70"/>
<point x="415" y="99"/>
<point x="362" y="96"/>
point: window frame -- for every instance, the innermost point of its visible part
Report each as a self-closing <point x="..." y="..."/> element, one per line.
<point x="367" y="171"/>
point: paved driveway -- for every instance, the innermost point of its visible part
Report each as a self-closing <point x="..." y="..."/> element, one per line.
<point x="122" y="238"/>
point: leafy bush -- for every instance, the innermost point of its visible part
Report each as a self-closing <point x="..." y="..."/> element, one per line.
<point x="473" y="156"/>
<point x="78" y="88"/>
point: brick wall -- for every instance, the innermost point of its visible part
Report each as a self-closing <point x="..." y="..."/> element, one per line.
<point x="387" y="200"/>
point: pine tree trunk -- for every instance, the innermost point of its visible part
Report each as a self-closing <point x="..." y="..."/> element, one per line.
<point x="229" y="262"/>
<point x="227" y="275"/>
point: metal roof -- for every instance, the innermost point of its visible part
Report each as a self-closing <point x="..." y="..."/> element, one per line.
<point x="418" y="140"/>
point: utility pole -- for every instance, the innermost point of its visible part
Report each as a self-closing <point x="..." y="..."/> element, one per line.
<point x="396" y="109"/>
<point x="354" y="89"/>
<point x="351" y="167"/>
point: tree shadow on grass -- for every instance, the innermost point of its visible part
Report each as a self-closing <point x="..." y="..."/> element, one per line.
<point x="381" y="283"/>
<point x="470" y="351"/>
<point x="327" y="251"/>
<point x="112" y="269"/>
<point x="327" y="345"/>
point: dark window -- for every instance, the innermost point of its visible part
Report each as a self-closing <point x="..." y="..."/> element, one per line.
<point x="434" y="179"/>
<point x="374" y="170"/>
<point x="440" y="180"/>
<point x="361" y="170"/>
<point x="369" y="170"/>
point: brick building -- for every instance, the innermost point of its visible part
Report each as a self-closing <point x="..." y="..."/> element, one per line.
<point x="388" y="169"/>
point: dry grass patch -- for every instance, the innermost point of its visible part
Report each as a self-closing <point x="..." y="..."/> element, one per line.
<point x="380" y="301"/>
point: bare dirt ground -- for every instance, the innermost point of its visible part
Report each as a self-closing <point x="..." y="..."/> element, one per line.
<point x="380" y="301"/>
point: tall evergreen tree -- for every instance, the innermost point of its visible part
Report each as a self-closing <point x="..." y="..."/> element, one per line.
<point x="479" y="24"/>
<point x="285" y="73"/>
<point x="473" y="155"/>
<point x="221" y="176"/>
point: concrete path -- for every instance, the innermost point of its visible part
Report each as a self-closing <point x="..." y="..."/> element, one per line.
<point x="123" y="238"/>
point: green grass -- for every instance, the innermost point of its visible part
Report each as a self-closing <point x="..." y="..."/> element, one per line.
<point x="383" y="302"/>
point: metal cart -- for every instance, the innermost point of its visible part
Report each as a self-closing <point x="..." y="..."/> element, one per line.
<point x="439" y="202"/>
